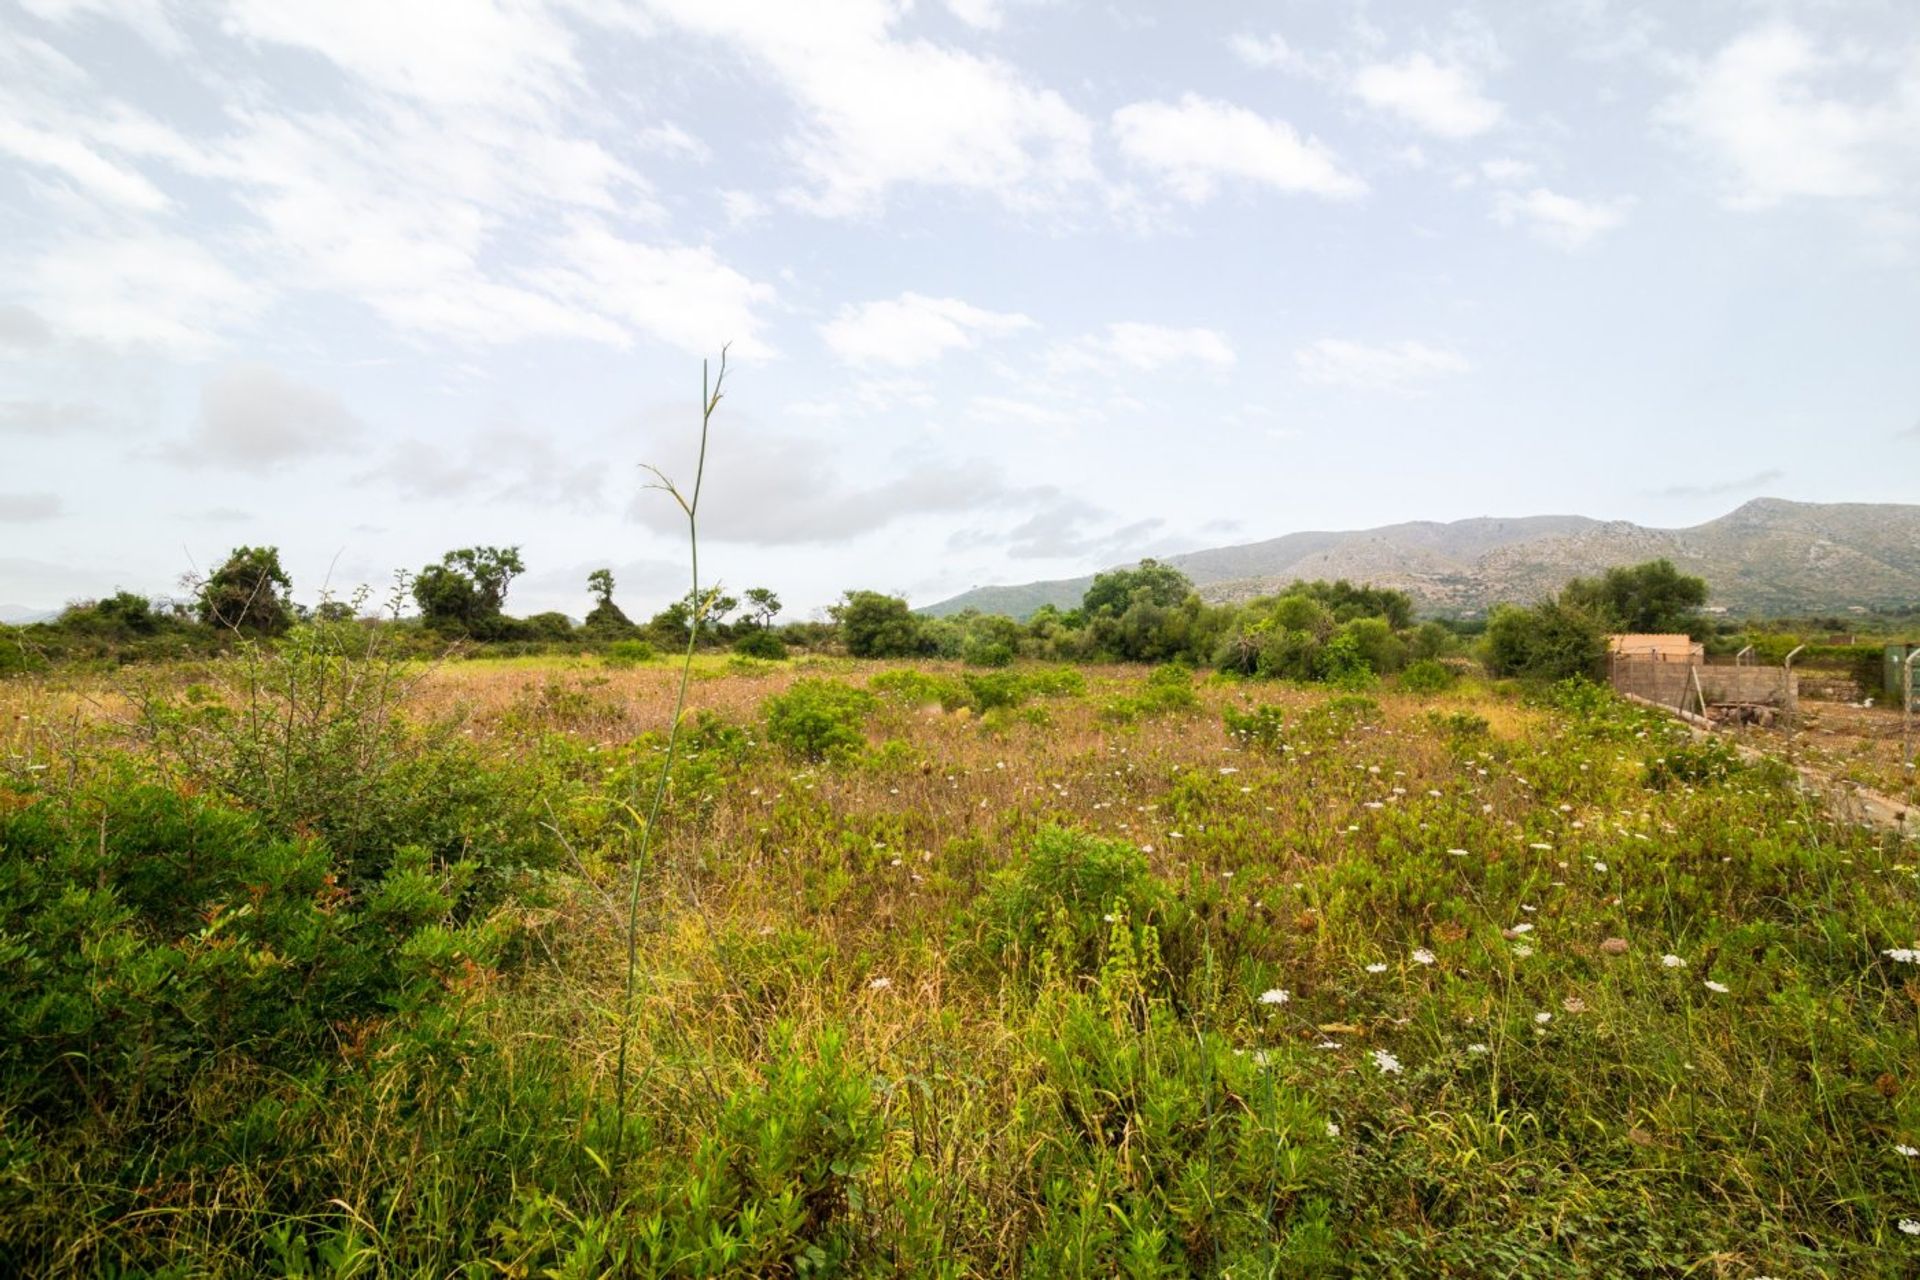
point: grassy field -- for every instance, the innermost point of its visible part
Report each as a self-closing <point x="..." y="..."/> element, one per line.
<point x="311" y="966"/>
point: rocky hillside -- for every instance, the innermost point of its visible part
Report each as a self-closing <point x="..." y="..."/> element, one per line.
<point x="1768" y="557"/>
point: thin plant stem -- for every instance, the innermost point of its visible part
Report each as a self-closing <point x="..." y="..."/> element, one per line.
<point x="709" y="401"/>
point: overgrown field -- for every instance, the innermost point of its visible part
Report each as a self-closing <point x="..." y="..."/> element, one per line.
<point x="312" y="965"/>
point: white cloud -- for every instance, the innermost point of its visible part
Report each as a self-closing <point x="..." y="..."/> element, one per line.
<point x="984" y="15"/>
<point x="785" y="491"/>
<point x="1027" y="413"/>
<point x="1505" y="169"/>
<point x="878" y="112"/>
<point x="253" y="417"/>
<point x="49" y="417"/>
<point x="1443" y="99"/>
<point x="142" y="289"/>
<point x="1768" y="110"/>
<point x="455" y="53"/>
<point x="80" y="163"/>
<point x="499" y="464"/>
<point x="1268" y="52"/>
<point x="683" y="296"/>
<point x="20" y="327"/>
<point x="1561" y="221"/>
<point x="456" y="185"/>
<point x="1148" y="347"/>
<point x="22" y="508"/>
<point x="913" y="329"/>
<point x="1393" y="366"/>
<point x="1195" y="143"/>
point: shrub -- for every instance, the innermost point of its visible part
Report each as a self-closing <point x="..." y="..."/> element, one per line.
<point x="761" y="643"/>
<point x="816" y="719"/>
<point x="921" y="687"/>
<point x="873" y="625"/>
<point x="1550" y="641"/>
<point x="989" y="653"/>
<point x="1049" y="909"/>
<point x="1262" y="727"/>
<point x="628" y="653"/>
<point x="1427" y="676"/>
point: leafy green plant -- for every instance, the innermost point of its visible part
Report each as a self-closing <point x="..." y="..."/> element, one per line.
<point x="1427" y="676"/>
<point x="629" y="653"/>
<point x="817" y="719"/>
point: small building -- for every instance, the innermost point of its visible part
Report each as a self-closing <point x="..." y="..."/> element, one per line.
<point x="1659" y="648"/>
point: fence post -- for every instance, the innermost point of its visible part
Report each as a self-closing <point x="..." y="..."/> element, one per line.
<point x="1793" y="718"/>
<point x="1906" y="707"/>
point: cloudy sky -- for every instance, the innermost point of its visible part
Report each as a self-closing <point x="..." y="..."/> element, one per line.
<point x="1015" y="288"/>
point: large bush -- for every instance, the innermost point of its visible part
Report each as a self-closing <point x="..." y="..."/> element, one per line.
<point x="816" y="719"/>
<point x="1550" y="641"/>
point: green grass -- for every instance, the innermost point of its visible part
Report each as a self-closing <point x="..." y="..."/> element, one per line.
<point x="993" y="988"/>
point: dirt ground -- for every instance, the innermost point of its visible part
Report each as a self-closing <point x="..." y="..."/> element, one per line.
<point x="1857" y="743"/>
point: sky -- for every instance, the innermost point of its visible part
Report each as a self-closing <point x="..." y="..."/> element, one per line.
<point x="1015" y="289"/>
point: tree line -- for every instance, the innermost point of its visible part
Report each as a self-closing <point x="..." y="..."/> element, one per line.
<point x="1336" y="632"/>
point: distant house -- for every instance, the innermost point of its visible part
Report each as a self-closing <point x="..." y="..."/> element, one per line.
<point x="1660" y="648"/>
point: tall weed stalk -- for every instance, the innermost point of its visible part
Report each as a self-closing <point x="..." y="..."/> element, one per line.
<point x="710" y="393"/>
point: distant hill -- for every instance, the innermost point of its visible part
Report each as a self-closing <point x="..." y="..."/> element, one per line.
<point x="18" y="615"/>
<point x="1768" y="557"/>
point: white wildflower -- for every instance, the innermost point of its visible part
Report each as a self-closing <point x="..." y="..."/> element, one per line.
<point x="1388" y="1064"/>
<point x="1522" y="951"/>
<point x="1903" y="955"/>
<point x="1478" y="1049"/>
<point x="1422" y="956"/>
<point x="1274" y="995"/>
<point x="1543" y="1018"/>
<point x="1671" y="961"/>
<point x="1909" y="1226"/>
<point x="1721" y="987"/>
<point x="1333" y="1130"/>
<point x="879" y="984"/>
<point x="1902" y="1149"/>
<point x="1376" y="968"/>
<point x="1600" y="866"/>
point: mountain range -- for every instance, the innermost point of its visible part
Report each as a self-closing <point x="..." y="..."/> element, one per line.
<point x="1768" y="557"/>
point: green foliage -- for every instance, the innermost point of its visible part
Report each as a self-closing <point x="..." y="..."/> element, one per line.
<point x="629" y="653"/>
<point x="988" y="653"/>
<point x="819" y="719"/>
<point x="1651" y="597"/>
<point x="873" y="625"/>
<point x="1264" y="726"/>
<point x="605" y="618"/>
<point x="1702" y="762"/>
<point x="918" y="688"/>
<point x="1052" y="912"/>
<point x="309" y="739"/>
<point x="1427" y="676"/>
<point x="467" y="590"/>
<point x="247" y="593"/>
<point x="760" y="642"/>
<point x="1168" y="689"/>
<point x="1149" y="583"/>
<point x="1550" y="641"/>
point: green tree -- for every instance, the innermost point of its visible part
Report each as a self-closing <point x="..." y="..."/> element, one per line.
<point x="1150" y="582"/>
<point x="606" y="617"/>
<point x="248" y="593"/>
<point x="873" y="625"/>
<point x="1550" y="641"/>
<point x="1653" y="596"/>
<point x="466" y="591"/>
<point x="762" y="606"/>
